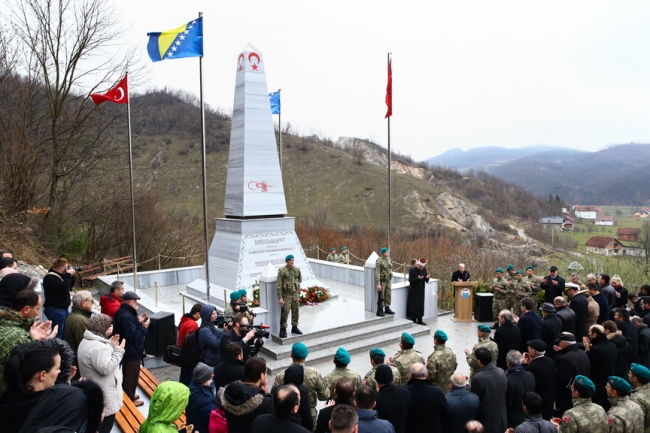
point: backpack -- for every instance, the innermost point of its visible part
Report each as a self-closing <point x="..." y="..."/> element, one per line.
<point x="191" y="350"/>
<point x="218" y="422"/>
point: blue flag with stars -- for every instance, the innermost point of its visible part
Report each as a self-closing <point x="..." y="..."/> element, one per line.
<point x="274" y="97"/>
<point x="185" y="41"/>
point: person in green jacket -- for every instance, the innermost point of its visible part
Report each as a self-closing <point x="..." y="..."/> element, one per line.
<point x="167" y="405"/>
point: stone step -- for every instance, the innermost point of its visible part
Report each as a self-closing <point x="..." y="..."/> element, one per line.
<point x="358" y="344"/>
<point x="370" y="319"/>
<point x="350" y="334"/>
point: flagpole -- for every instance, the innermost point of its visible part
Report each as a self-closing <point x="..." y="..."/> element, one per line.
<point x="390" y="191"/>
<point x="280" y="131"/>
<point x="135" y="255"/>
<point x="205" y="182"/>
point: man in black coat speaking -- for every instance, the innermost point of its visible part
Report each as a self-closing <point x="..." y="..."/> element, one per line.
<point x="553" y="285"/>
<point x="461" y="274"/>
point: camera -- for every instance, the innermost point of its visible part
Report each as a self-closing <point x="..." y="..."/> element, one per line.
<point x="223" y="320"/>
<point x="261" y="331"/>
<point x="255" y="344"/>
<point x="76" y="268"/>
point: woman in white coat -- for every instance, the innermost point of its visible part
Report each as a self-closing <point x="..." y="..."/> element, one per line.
<point x="99" y="359"/>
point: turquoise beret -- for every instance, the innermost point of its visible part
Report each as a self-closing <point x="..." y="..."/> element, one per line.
<point x="499" y="270"/>
<point x="299" y="350"/>
<point x="619" y="384"/>
<point x="530" y="267"/>
<point x="509" y="268"/>
<point x="342" y="356"/>
<point x="289" y="257"/>
<point x="383" y="250"/>
<point x="377" y="352"/>
<point x="440" y="335"/>
<point x="332" y="249"/>
<point x="408" y="338"/>
<point x="585" y="382"/>
<point x="242" y="292"/>
<point x="344" y="248"/>
<point x="234" y="296"/>
<point x="484" y="328"/>
<point x="518" y="272"/>
<point x="640" y="370"/>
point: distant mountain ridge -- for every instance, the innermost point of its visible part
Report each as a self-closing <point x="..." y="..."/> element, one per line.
<point x="485" y="158"/>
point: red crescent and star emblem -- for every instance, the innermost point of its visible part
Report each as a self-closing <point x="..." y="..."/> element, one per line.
<point x="565" y="419"/>
<point x="610" y="420"/>
<point x="259" y="185"/>
<point x="254" y="65"/>
<point x="240" y="62"/>
<point x="119" y="94"/>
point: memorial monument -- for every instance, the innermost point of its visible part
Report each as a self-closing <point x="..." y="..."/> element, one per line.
<point x="255" y="230"/>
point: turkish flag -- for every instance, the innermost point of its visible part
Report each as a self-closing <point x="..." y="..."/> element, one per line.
<point x="389" y="91"/>
<point x="118" y="94"/>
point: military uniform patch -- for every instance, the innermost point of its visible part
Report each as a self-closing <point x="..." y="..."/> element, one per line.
<point x="565" y="419"/>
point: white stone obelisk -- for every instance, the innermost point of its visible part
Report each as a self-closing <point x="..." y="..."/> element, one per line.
<point x="255" y="230"/>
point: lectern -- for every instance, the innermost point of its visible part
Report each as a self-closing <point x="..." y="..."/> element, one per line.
<point x="464" y="300"/>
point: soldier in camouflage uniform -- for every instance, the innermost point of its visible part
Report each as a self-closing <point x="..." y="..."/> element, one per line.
<point x="313" y="380"/>
<point x="584" y="416"/>
<point x="640" y="380"/>
<point x="405" y="358"/>
<point x="442" y="363"/>
<point x="500" y="290"/>
<point x="483" y="334"/>
<point x="522" y="290"/>
<point x="236" y="298"/>
<point x="332" y="256"/>
<point x="289" y="279"/>
<point x="383" y="277"/>
<point x="625" y="416"/>
<point x="534" y="284"/>
<point x="377" y="357"/>
<point x="344" y="257"/>
<point x="341" y="361"/>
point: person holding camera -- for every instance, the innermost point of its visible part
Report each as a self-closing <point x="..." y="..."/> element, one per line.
<point x="240" y="334"/>
<point x="57" y="285"/>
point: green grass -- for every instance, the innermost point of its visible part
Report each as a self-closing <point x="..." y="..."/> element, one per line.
<point x="620" y="222"/>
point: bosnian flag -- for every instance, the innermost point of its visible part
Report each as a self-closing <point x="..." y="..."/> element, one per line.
<point x="118" y="94"/>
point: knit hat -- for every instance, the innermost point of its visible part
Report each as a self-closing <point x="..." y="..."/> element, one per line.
<point x="619" y="384"/>
<point x="299" y="350"/>
<point x="289" y="257"/>
<point x="383" y="374"/>
<point x="440" y="335"/>
<point x="510" y="268"/>
<point x="342" y="356"/>
<point x="377" y="352"/>
<point x="408" y="338"/>
<point x="484" y="328"/>
<point x="234" y="296"/>
<point x="99" y="324"/>
<point x="202" y="373"/>
<point x="383" y="250"/>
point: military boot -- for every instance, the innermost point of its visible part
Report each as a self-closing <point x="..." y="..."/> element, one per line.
<point x="295" y="330"/>
<point x="387" y="310"/>
<point x="380" y="312"/>
<point x="283" y="332"/>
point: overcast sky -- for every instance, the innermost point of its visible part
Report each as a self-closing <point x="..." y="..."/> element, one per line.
<point x="465" y="74"/>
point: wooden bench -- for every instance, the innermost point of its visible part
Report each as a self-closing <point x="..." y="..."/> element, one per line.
<point x="129" y="418"/>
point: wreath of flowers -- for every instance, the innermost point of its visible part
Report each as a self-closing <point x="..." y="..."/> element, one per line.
<point x="312" y="295"/>
<point x="255" y="302"/>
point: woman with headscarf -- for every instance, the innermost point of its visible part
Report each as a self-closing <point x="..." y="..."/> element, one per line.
<point x="418" y="275"/>
<point x="168" y="402"/>
<point x="99" y="359"/>
<point x="31" y="370"/>
<point x="295" y="375"/>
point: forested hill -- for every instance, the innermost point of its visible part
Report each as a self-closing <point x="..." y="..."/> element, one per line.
<point x="618" y="175"/>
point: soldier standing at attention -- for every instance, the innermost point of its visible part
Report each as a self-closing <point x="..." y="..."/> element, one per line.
<point x="510" y="274"/>
<point x="344" y="257"/>
<point x="584" y="416"/>
<point x="377" y="357"/>
<point x="640" y="380"/>
<point x="483" y="334"/>
<point x="384" y="276"/>
<point x="289" y="279"/>
<point x="442" y="363"/>
<point x="406" y="357"/>
<point x="312" y="378"/>
<point x="625" y="416"/>
<point x="332" y="256"/>
<point x="522" y="290"/>
<point x="500" y="289"/>
<point x="534" y="284"/>
<point x="341" y="361"/>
